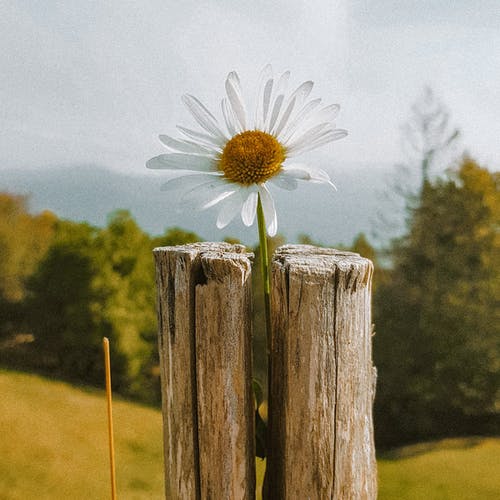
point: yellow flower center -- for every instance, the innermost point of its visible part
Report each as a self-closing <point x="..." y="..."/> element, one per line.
<point x="251" y="157"/>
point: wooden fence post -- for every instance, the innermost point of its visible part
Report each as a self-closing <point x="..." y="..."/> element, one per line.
<point x="204" y="311"/>
<point x="322" y="380"/>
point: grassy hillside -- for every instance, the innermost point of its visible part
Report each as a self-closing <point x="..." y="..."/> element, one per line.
<point x="53" y="446"/>
<point x="451" y="469"/>
<point x="54" y="443"/>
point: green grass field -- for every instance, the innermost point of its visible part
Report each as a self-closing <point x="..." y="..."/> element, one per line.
<point x="53" y="445"/>
<point x="451" y="469"/>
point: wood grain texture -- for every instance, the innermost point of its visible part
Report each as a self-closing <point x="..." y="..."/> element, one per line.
<point x="224" y="376"/>
<point x="322" y="379"/>
<point x="179" y="272"/>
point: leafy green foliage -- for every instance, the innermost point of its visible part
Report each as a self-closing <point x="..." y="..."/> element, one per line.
<point x="81" y="284"/>
<point x="64" y="309"/>
<point x="24" y="240"/>
<point x="126" y="273"/>
<point x="437" y="318"/>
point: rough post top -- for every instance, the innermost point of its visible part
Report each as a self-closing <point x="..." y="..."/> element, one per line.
<point x="311" y="260"/>
<point x="202" y="247"/>
<point x="218" y="259"/>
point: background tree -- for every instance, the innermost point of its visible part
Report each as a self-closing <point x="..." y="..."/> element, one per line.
<point x="438" y="329"/>
<point x="126" y="278"/>
<point x="24" y="240"/>
<point x="428" y="141"/>
<point x="428" y="137"/>
<point x="175" y="236"/>
<point x="67" y="284"/>
<point x="66" y="313"/>
<point x="127" y="270"/>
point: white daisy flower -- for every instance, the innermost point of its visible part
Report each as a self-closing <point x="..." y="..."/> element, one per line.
<point x="232" y="167"/>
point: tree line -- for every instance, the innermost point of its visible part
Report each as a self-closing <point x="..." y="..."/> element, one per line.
<point x="436" y="295"/>
<point x="437" y="315"/>
<point x="64" y="285"/>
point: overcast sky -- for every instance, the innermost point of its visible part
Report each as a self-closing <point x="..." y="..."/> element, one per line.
<point x="96" y="81"/>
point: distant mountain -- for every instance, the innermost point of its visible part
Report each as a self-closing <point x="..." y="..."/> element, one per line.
<point x="91" y="193"/>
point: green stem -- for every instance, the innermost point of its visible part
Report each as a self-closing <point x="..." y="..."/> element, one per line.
<point x="264" y="258"/>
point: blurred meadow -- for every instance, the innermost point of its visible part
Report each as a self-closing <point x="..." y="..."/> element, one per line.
<point x="54" y="442"/>
<point x="86" y="89"/>
<point x="60" y="451"/>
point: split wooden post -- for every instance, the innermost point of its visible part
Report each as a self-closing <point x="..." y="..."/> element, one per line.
<point x="322" y="380"/>
<point x="204" y="312"/>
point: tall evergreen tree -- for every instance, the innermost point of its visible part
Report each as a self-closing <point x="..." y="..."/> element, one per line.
<point x="438" y="331"/>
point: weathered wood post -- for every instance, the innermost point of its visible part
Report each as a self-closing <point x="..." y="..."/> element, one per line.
<point x="204" y="311"/>
<point x="322" y="379"/>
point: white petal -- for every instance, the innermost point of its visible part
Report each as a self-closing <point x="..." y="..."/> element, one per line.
<point x="326" y="114"/>
<point x="183" y="146"/>
<point x="203" y="138"/>
<point x="208" y="194"/>
<point x="324" y="138"/>
<point x="300" y="118"/>
<point x="294" y="101"/>
<point x="203" y="116"/>
<point x="339" y="133"/>
<point x="234" y="94"/>
<point x="275" y="112"/>
<point x="269" y="210"/>
<point x="321" y="136"/>
<point x="187" y="182"/>
<point x="302" y="91"/>
<point x="266" y="72"/>
<point x="284" y="118"/>
<point x="229" y="118"/>
<point x="297" y="170"/>
<point x="265" y="76"/>
<point x="180" y="161"/>
<point x="266" y="101"/>
<point x="249" y="209"/>
<point x="235" y="78"/>
<point x="279" y="97"/>
<point x="284" y="181"/>
<point x="306" y="173"/>
<point x="217" y="199"/>
<point x="282" y="83"/>
<point x="310" y="146"/>
<point x="300" y="139"/>
<point x="319" y="175"/>
<point x="230" y="207"/>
